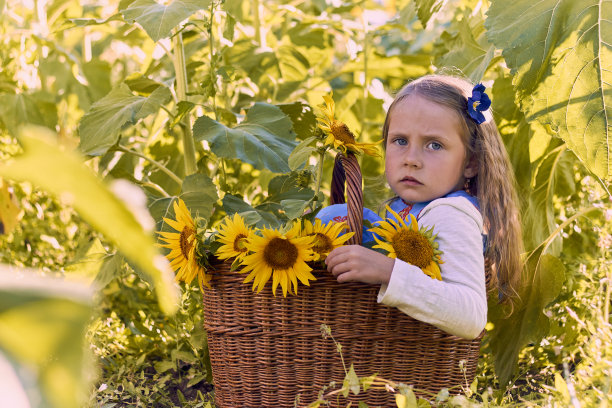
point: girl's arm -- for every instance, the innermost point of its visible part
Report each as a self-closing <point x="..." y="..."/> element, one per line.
<point x="457" y="304"/>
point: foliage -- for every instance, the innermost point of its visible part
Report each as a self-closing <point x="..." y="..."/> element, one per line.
<point x="214" y="102"/>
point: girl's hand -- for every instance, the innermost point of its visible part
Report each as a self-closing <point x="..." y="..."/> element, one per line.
<point x="354" y="263"/>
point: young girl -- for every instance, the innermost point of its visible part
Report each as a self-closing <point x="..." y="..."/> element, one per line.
<point x="447" y="165"/>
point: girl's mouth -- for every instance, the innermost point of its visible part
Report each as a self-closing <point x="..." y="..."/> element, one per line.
<point x="411" y="181"/>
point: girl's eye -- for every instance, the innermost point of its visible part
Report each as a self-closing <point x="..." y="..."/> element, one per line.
<point x="435" y="146"/>
<point x="400" y="141"/>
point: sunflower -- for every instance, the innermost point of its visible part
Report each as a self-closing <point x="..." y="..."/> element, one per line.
<point x="234" y="235"/>
<point x="325" y="237"/>
<point x="183" y="246"/>
<point x="282" y="256"/>
<point x="338" y="134"/>
<point x="411" y="244"/>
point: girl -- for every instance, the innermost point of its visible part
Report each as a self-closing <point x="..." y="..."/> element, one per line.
<point x="447" y="165"/>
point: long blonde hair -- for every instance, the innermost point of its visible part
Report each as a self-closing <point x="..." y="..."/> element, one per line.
<point x="494" y="183"/>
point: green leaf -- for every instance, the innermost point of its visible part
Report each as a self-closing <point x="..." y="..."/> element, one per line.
<point x="98" y="74"/>
<point x="467" y="47"/>
<point x="264" y="139"/>
<point x="561" y="387"/>
<point x="287" y="187"/>
<point x="199" y="194"/>
<point x="303" y="118"/>
<point x="42" y="326"/>
<point x="293" y="65"/>
<point x="559" y="53"/>
<point x="554" y="176"/>
<point x="300" y="155"/>
<point x="351" y="381"/>
<point x="99" y="128"/>
<point x="427" y="8"/>
<point x="88" y="262"/>
<point x="252" y="216"/>
<point x="294" y="208"/>
<point x="158" y="20"/>
<point x="406" y="399"/>
<point x="17" y="110"/>
<point x="9" y="210"/>
<point x="513" y="128"/>
<point x="63" y="173"/>
<point x="528" y="323"/>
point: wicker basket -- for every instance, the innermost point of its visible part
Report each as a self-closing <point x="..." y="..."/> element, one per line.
<point x="265" y="350"/>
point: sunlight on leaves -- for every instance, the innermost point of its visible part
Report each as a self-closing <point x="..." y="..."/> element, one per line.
<point x="264" y="139"/>
<point x="559" y="52"/>
<point x="158" y="20"/>
<point x="99" y="128"/>
<point x="62" y="173"/>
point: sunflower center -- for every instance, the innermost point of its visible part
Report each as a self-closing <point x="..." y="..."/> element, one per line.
<point x="412" y="247"/>
<point x="280" y="253"/>
<point x="322" y="244"/>
<point x="342" y="133"/>
<point x="240" y="243"/>
<point x="184" y="240"/>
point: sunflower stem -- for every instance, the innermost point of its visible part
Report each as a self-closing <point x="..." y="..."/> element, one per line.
<point x="257" y="22"/>
<point x="365" y="70"/>
<point x="319" y="176"/>
<point x="178" y="60"/>
<point x="211" y="47"/>
<point x="157" y="164"/>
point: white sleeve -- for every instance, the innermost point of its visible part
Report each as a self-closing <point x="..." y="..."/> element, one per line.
<point x="458" y="303"/>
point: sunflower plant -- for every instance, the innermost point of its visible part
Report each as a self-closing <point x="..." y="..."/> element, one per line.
<point x="409" y="242"/>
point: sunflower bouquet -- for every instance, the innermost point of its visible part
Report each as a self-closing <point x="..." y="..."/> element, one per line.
<point x="284" y="250"/>
<point x="284" y="255"/>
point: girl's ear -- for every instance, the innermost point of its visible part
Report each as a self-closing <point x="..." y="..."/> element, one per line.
<point x="471" y="168"/>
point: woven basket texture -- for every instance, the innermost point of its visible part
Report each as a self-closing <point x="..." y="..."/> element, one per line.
<point x="266" y="349"/>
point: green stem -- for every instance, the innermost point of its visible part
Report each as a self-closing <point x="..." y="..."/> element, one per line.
<point x="157" y="164"/>
<point x="211" y="47"/>
<point x="365" y="70"/>
<point x="257" y="22"/>
<point x="319" y="176"/>
<point x="178" y="59"/>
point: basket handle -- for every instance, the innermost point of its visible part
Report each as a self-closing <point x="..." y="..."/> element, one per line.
<point x="346" y="170"/>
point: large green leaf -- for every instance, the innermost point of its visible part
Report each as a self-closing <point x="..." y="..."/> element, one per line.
<point x="465" y="46"/>
<point x="42" y="333"/>
<point x="560" y="54"/>
<point x="553" y="176"/>
<point x="99" y="128"/>
<point x="158" y="20"/>
<point x="528" y="323"/>
<point x="63" y="173"/>
<point x="264" y="139"/>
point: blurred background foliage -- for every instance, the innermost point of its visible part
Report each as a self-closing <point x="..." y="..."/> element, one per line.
<point x="140" y="91"/>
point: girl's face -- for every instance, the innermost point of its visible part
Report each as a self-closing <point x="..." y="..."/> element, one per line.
<point x="425" y="155"/>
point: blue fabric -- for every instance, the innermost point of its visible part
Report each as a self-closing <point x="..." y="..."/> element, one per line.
<point x="403" y="209"/>
<point x="338" y="213"/>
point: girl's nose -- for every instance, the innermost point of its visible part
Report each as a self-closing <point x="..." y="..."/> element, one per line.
<point x="412" y="157"/>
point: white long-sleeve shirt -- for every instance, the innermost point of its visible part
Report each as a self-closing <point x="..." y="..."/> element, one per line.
<point x="458" y="303"/>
